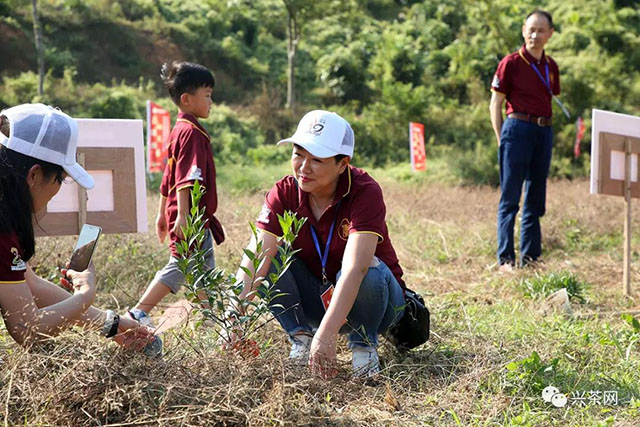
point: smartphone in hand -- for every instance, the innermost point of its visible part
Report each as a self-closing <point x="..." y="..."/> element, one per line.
<point x="83" y="251"/>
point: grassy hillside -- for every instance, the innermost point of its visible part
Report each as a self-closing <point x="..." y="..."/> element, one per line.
<point x="380" y="63"/>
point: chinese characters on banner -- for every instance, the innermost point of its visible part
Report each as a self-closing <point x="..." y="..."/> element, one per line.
<point x="416" y="143"/>
<point x="158" y="129"/>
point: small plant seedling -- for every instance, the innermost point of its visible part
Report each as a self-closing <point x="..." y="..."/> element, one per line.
<point x="215" y="294"/>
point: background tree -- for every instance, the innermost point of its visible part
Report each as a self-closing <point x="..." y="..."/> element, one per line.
<point x="299" y="13"/>
<point x="37" y="35"/>
<point x="380" y="63"/>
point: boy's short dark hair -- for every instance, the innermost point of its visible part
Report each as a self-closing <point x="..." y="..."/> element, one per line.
<point x="543" y="13"/>
<point x="185" y="77"/>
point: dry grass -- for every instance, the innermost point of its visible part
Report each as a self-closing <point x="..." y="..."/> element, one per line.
<point x="445" y="239"/>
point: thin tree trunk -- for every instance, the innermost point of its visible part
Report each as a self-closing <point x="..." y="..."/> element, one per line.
<point x="292" y="45"/>
<point x="37" y="34"/>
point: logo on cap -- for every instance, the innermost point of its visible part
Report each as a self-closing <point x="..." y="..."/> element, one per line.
<point x="316" y="127"/>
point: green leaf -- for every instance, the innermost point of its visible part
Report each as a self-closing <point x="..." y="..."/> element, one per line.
<point x="632" y="321"/>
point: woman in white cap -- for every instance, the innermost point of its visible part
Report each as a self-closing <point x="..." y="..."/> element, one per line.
<point x="346" y="277"/>
<point x="37" y="153"/>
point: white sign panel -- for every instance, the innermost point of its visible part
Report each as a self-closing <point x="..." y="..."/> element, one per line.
<point x="113" y="196"/>
<point x="621" y="124"/>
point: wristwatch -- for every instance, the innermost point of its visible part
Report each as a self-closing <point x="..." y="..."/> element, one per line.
<point x="111" y="323"/>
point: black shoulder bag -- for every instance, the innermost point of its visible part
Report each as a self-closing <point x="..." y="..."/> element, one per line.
<point x="412" y="329"/>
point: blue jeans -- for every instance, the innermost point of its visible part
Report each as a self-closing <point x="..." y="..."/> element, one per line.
<point x="525" y="157"/>
<point x="378" y="305"/>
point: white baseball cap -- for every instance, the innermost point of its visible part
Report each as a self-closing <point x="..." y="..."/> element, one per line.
<point x="323" y="134"/>
<point x="45" y="133"/>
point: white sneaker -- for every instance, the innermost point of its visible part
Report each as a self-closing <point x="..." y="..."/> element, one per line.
<point x="154" y="348"/>
<point x="300" y="348"/>
<point x="365" y="362"/>
<point x="142" y="317"/>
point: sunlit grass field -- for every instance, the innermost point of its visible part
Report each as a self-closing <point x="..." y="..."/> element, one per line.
<point x="491" y="353"/>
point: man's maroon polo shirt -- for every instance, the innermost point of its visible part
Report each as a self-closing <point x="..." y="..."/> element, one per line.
<point x="190" y="159"/>
<point x="361" y="210"/>
<point x="525" y="91"/>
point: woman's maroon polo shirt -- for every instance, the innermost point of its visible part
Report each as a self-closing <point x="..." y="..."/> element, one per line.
<point x="362" y="210"/>
<point x="190" y="159"/>
<point x="517" y="80"/>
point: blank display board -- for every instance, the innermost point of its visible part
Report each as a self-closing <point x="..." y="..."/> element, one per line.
<point x="114" y="155"/>
<point x="612" y="164"/>
<point x="68" y="200"/>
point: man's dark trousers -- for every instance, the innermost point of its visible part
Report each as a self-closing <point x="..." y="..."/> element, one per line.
<point x="525" y="157"/>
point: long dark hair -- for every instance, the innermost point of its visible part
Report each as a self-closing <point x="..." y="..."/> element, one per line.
<point x="16" y="204"/>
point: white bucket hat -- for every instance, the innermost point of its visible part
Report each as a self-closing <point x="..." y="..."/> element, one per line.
<point x="323" y="134"/>
<point x="45" y="133"/>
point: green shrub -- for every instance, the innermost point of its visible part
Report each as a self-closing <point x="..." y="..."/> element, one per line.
<point x="20" y="89"/>
<point x="249" y="178"/>
<point x="530" y="375"/>
<point x="232" y="134"/>
<point x="269" y="154"/>
<point x="478" y="166"/>
<point x="541" y="286"/>
<point x="114" y="104"/>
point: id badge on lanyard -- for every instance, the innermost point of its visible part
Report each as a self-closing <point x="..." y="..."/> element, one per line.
<point x="328" y="292"/>
<point x="326" y="297"/>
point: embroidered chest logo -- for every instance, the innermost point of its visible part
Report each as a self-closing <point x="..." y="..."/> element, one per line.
<point x="551" y="78"/>
<point x="343" y="230"/>
<point x="17" y="264"/>
<point x="195" y="173"/>
<point x="264" y="214"/>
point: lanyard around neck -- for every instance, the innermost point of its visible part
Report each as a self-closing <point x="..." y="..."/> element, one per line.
<point x="325" y="256"/>
<point x="547" y="81"/>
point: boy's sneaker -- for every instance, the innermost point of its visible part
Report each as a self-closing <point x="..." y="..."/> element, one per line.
<point x="365" y="362"/>
<point x="300" y="348"/>
<point x="142" y="317"/>
<point x="154" y="348"/>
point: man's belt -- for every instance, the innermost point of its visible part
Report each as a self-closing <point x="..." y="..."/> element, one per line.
<point x="539" y="120"/>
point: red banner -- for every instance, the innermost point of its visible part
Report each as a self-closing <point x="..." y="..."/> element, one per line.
<point x="580" y="128"/>
<point x="158" y="129"/>
<point x="416" y="143"/>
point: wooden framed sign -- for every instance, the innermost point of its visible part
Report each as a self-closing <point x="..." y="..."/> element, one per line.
<point x="112" y="152"/>
<point x="615" y="150"/>
<point x="608" y="153"/>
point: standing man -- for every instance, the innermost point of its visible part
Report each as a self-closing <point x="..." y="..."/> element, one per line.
<point x="528" y="79"/>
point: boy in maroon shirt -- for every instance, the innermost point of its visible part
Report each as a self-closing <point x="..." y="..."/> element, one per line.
<point x="190" y="159"/>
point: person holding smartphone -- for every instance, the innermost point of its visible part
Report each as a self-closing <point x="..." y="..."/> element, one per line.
<point x="37" y="153"/>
